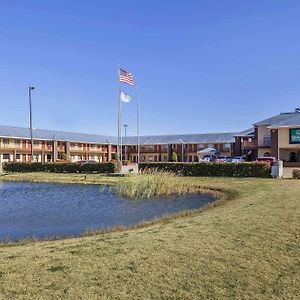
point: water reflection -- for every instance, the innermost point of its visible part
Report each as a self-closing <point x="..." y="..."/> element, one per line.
<point x="44" y="210"/>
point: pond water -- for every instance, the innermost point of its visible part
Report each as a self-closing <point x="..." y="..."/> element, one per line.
<point x="45" y="210"/>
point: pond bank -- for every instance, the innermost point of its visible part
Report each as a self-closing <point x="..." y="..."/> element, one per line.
<point x="246" y="248"/>
<point x="61" y="178"/>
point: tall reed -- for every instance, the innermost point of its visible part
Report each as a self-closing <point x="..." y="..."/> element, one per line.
<point x="150" y="183"/>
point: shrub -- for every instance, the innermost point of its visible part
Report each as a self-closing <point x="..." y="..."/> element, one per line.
<point x="64" y="156"/>
<point x="211" y="169"/>
<point x="60" y="167"/>
<point x="174" y="157"/>
<point x="114" y="156"/>
<point x="296" y="174"/>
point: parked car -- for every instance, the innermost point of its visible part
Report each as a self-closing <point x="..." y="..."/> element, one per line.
<point x="238" y="159"/>
<point x="227" y="159"/>
<point x="266" y="160"/>
<point x="207" y="158"/>
<point x="220" y="159"/>
<point x="86" y="161"/>
<point x="224" y="159"/>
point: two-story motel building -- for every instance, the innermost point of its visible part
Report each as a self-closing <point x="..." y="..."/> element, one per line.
<point x="278" y="136"/>
<point x="49" y="146"/>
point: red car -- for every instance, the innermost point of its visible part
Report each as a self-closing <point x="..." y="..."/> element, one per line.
<point x="266" y="160"/>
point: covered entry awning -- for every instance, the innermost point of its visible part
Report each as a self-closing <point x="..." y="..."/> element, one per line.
<point x="207" y="151"/>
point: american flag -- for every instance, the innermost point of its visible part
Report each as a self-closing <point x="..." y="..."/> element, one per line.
<point x="125" y="77"/>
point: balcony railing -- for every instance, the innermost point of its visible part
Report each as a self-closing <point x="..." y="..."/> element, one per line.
<point x="250" y="145"/>
<point x="148" y="150"/>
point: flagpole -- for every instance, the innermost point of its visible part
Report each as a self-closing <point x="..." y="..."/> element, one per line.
<point x="138" y="123"/>
<point x="121" y="138"/>
<point x="119" y="111"/>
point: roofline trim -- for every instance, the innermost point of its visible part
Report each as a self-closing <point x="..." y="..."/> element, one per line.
<point x="284" y="126"/>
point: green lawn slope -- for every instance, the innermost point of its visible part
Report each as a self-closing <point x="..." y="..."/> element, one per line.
<point x="245" y="248"/>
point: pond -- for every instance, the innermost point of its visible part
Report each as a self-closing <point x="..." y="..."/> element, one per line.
<point x="45" y="210"/>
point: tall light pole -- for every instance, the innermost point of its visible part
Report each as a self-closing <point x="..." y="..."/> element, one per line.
<point x="30" y="89"/>
<point x="125" y="140"/>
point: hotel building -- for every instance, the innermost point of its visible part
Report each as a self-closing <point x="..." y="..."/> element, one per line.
<point x="278" y="136"/>
<point x="50" y="146"/>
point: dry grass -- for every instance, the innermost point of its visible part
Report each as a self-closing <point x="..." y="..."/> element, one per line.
<point x="151" y="183"/>
<point x="60" y="177"/>
<point x="247" y="248"/>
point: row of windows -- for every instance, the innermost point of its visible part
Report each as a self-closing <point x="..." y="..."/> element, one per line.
<point x="18" y="156"/>
<point x="191" y="147"/>
<point x="48" y="143"/>
<point x="188" y="147"/>
<point x="18" y="142"/>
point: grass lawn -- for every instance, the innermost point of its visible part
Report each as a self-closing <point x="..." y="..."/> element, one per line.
<point x="247" y="248"/>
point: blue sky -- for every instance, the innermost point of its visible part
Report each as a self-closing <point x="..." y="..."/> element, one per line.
<point x="202" y="66"/>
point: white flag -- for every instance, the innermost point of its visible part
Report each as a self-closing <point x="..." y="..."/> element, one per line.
<point x="125" y="97"/>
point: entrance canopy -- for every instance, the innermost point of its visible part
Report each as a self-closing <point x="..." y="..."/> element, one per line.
<point x="207" y="151"/>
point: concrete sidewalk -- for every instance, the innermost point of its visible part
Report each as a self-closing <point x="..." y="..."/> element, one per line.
<point x="132" y="168"/>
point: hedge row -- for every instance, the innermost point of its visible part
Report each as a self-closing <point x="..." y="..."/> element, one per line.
<point x="108" y="167"/>
<point x="211" y="169"/>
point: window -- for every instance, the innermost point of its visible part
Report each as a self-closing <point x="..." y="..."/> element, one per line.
<point x="267" y="140"/>
<point x="49" y="157"/>
<point x="227" y="146"/>
<point x="18" y="156"/>
<point x="5" y="141"/>
<point x="17" y="142"/>
<point x="210" y="146"/>
<point x="79" y="157"/>
<point x="5" y="156"/>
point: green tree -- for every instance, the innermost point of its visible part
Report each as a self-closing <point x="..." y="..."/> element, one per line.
<point x="174" y="157"/>
<point x="114" y="156"/>
<point x="64" y="156"/>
